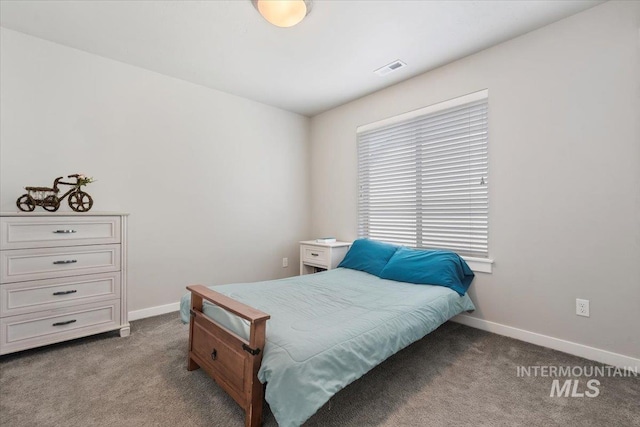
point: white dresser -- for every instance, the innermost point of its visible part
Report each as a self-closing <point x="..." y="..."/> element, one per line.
<point x="62" y="276"/>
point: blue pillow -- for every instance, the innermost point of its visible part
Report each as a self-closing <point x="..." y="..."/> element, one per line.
<point x="442" y="268"/>
<point x="368" y="255"/>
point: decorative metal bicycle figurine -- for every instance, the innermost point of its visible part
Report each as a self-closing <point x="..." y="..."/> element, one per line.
<point x="48" y="198"/>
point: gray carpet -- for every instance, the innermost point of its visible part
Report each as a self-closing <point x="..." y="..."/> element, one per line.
<point x="456" y="376"/>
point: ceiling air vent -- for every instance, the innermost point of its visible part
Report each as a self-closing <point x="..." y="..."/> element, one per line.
<point x="389" y="68"/>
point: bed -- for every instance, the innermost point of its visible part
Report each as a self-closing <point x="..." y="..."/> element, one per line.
<point x="325" y="330"/>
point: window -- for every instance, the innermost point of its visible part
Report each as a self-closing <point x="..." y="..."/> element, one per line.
<point x="422" y="177"/>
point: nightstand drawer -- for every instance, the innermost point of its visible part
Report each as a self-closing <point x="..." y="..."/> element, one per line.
<point x="315" y="255"/>
<point x="25" y="297"/>
<point x="32" y="264"/>
<point x="42" y="232"/>
<point x="41" y="328"/>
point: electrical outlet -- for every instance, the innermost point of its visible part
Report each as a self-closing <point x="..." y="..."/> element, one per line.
<point x="285" y="262"/>
<point x="582" y="307"/>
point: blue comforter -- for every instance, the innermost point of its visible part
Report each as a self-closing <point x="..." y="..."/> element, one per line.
<point x="328" y="329"/>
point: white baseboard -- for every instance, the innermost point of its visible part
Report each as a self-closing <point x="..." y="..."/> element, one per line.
<point x="591" y="353"/>
<point x="154" y="311"/>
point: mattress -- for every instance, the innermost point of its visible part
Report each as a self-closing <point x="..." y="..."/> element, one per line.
<point x="328" y="329"/>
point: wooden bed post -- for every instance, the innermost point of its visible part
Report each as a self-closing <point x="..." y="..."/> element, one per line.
<point x="256" y="397"/>
<point x="232" y="361"/>
<point x="196" y="305"/>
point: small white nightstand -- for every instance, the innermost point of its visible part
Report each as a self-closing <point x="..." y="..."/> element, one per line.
<point x="315" y="257"/>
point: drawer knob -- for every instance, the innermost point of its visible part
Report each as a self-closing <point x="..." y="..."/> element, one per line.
<point x="64" y="323"/>
<point x="64" y="231"/>
<point x="73" y="291"/>
<point x="314" y="254"/>
<point x="214" y="354"/>
<point x="66" y="261"/>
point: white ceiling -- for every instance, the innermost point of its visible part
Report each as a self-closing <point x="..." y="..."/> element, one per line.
<point x="323" y="62"/>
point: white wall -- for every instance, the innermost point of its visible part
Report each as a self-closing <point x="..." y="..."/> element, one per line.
<point x="216" y="185"/>
<point x="564" y="148"/>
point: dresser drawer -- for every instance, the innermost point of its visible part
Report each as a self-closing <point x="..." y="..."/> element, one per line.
<point x="42" y="232"/>
<point x="315" y="255"/>
<point x="41" y="328"/>
<point x="32" y="264"/>
<point x="26" y="297"/>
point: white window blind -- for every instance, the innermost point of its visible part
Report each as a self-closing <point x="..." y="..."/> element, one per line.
<point x="422" y="177"/>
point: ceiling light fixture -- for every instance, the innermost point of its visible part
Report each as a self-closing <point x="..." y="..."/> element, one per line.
<point x="283" y="13"/>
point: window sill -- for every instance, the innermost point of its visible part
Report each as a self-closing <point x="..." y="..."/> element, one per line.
<point x="479" y="265"/>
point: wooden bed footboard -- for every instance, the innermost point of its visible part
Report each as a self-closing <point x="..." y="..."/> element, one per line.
<point x="230" y="360"/>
